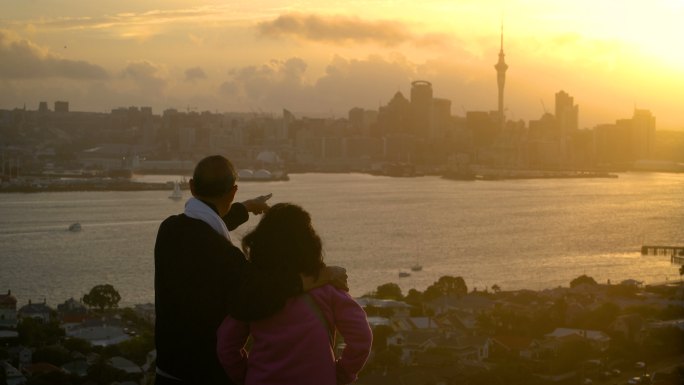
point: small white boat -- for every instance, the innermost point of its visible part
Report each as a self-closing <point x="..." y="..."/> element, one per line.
<point x="176" y="194"/>
<point x="75" y="227"/>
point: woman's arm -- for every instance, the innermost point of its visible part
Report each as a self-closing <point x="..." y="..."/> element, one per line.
<point x="350" y="320"/>
<point x="231" y="338"/>
<point x="333" y="275"/>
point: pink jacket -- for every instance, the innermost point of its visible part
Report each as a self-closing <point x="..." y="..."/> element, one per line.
<point x="293" y="346"/>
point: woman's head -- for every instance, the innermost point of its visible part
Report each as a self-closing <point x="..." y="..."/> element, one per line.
<point x="284" y="239"/>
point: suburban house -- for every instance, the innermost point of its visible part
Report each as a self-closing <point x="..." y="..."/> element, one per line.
<point x="8" y="310"/>
<point x="37" y="311"/>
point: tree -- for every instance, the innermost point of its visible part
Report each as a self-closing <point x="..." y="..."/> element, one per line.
<point x="582" y="279"/>
<point x="136" y="349"/>
<point x="496" y="288"/>
<point x="681" y="272"/>
<point x="380" y="335"/>
<point x="101" y="373"/>
<point x="34" y="333"/>
<point x="102" y="296"/>
<point x="77" y="345"/>
<point x="54" y="354"/>
<point x="446" y="285"/>
<point x="389" y="291"/>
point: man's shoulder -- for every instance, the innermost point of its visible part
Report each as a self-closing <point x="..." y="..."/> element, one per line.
<point x="179" y="223"/>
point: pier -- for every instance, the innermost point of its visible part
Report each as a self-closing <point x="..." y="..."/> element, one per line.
<point x="676" y="253"/>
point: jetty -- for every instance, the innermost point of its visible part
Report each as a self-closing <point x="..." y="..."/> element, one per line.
<point x="676" y="253"/>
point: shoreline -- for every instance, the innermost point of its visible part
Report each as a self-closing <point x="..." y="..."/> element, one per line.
<point x="35" y="184"/>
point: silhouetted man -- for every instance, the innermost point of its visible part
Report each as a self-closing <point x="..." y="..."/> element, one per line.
<point x="197" y="271"/>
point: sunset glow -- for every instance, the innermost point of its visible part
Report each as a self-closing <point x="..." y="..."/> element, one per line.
<point x="325" y="57"/>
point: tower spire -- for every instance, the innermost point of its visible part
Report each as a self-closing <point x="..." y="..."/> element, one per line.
<point x="501" y="68"/>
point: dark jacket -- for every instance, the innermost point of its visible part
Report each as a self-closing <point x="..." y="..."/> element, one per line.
<point x="196" y="277"/>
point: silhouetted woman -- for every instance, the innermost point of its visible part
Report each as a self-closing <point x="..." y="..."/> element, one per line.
<point x="292" y="342"/>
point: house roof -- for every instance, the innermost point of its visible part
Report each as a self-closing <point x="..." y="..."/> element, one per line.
<point x="417" y="337"/>
<point x="8" y="300"/>
<point x="377" y="321"/>
<point x="381" y="303"/>
<point x="127" y="366"/>
<point x="511" y="342"/>
<point x="40" y="367"/>
<point x="72" y="306"/>
<point x="8" y="334"/>
<point x="35" y="308"/>
<point x="470" y="301"/>
<point x="594" y="335"/>
<point x="78" y="367"/>
<point x="423" y="322"/>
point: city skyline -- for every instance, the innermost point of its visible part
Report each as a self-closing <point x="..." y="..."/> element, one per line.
<point x="318" y="58"/>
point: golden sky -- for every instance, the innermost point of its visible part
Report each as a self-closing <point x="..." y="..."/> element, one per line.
<point x="319" y="57"/>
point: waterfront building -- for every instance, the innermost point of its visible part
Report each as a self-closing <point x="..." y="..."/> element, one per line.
<point x="8" y="310"/>
<point x="643" y="126"/>
<point x="626" y="141"/>
<point x="61" y="106"/>
<point x="38" y="311"/>
<point x="421" y="108"/>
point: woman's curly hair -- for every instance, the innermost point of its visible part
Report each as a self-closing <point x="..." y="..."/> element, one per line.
<point x="285" y="240"/>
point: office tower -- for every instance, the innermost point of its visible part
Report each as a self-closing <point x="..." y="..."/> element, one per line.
<point x="566" y="113"/>
<point x="643" y="134"/>
<point x="421" y="107"/>
<point x="501" y="68"/>
<point x="61" y="106"/>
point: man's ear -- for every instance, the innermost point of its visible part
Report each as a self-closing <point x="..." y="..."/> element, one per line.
<point x="232" y="193"/>
<point x="192" y="186"/>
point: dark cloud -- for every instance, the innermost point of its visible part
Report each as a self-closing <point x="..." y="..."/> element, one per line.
<point x="272" y="85"/>
<point x="21" y="59"/>
<point x="336" y="29"/>
<point x="347" y="83"/>
<point x="195" y="73"/>
<point x="147" y="76"/>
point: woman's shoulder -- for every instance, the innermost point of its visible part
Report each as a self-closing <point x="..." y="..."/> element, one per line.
<point x="329" y="292"/>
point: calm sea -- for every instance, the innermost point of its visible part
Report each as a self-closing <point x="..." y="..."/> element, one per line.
<point x="518" y="234"/>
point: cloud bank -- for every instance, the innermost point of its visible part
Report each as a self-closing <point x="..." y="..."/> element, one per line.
<point x="21" y="59"/>
<point x="338" y="29"/>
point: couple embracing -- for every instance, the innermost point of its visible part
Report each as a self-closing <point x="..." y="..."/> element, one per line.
<point x="269" y="315"/>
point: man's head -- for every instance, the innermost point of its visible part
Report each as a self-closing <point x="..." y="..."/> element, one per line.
<point x="214" y="181"/>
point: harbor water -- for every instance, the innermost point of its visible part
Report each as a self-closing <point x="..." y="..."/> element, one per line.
<point x="533" y="234"/>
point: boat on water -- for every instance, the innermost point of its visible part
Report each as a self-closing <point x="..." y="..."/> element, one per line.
<point x="403" y="274"/>
<point x="416" y="267"/>
<point x="75" y="227"/>
<point x="176" y="194"/>
<point x="262" y="175"/>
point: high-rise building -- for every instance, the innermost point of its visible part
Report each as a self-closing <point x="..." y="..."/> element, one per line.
<point x="501" y="68"/>
<point x="643" y="134"/>
<point x="421" y="107"/>
<point x="441" y="118"/>
<point x="61" y="106"/>
<point x="566" y="113"/>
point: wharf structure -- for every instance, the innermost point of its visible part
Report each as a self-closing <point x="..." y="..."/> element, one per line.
<point x="676" y="253"/>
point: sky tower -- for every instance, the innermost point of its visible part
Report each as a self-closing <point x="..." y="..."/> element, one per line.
<point x="501" y="68"/>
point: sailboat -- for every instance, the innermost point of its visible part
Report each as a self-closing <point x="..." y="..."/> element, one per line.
<point x="176" y="194"/>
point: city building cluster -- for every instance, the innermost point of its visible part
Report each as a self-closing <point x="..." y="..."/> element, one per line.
<point x="405" y="136"/>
